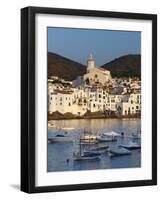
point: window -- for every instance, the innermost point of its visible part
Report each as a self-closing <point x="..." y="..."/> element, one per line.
<point x="69" y="104"/>
<point x="99" y="95"/>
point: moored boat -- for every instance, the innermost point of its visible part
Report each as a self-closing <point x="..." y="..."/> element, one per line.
<point x="91" y="153"/>
<point x="106" y="139"/>
<point x="131" y="146"/>
<point x="86" y="158"/>
<point x="111" y="134"/>
<point x="60" y="138"/>
<point x="100" y="148"/>
<point x="119" y="151"/>
<point x="88" y="137"/>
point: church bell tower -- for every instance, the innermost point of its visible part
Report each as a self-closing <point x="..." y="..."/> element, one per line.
<point x="90" y="63"/>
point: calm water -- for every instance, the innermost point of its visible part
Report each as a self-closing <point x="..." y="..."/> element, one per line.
<point x="58" y="153"/>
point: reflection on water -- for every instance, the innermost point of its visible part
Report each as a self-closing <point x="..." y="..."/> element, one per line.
<point x="60" y="155"/>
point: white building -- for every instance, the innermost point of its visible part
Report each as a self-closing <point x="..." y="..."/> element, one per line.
<point x="130" y="104"/>
<point x="122" y="100"/>
<point x="96" y="74"/>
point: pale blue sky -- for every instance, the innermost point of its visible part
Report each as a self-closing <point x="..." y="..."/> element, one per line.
<point x="105" y="45"/>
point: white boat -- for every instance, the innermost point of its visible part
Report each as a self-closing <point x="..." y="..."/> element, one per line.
<point x="131" y="146"/>
<point x="102" y="138"/>
<point x="108" y="137"/>
<point x="60" y="138"/>
<point x="111" y="134"/>
<point x="88" y="142"/>
<point x="119" y="151"/>
<point x="88" y="138"/>
<point x="85" y="156"/>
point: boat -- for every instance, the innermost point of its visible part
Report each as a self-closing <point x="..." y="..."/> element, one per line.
<point x="100" y="148"/>
<point x="102" y="138"/>
<point x="119" y="151"/>
<point x="111" y="134"/>
<point x="131" y="146"/>
<point x="60" y="138"/>
<point x="85" y="156"/>
<point x="108" y="137"/>
<point x="88" y="142"/>
<point x="88" y="138"/>
<point x="91" y="153"/>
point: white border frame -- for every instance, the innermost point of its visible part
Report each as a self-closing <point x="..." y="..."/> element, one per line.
<point x="91" y="176"/>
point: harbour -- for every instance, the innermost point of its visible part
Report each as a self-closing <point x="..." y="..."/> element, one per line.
<point x="71" y="154"/>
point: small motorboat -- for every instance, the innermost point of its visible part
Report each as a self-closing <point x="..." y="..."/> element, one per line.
<point x="119" y="151"/>
<point x="60" y="138"/>
<point x="131" y="146"/>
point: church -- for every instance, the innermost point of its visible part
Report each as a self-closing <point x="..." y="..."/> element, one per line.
<point x="96" y="74"/>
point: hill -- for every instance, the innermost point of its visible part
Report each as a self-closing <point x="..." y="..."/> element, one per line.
<point x="125" y="66"/>
<point x="64" y="67"/>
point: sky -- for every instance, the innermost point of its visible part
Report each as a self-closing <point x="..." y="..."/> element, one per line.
<point x="104" y="45"/>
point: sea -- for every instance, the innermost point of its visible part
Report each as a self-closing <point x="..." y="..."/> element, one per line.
<point x="60" y="156"/>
